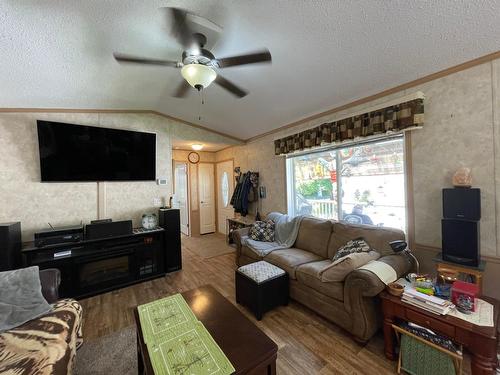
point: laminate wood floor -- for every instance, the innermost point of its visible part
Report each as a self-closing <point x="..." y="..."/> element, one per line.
<point x="308" y="344"/>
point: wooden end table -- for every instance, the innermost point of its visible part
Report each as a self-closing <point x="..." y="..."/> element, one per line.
<point x="443" y="266"/>
<point x="481" y="342"/>
<point x="245" y="345"/>
<point x="236" y="223"/>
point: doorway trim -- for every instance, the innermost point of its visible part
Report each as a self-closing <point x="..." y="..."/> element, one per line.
<point x="188" y="183"/>
<point x="216" y="185"/>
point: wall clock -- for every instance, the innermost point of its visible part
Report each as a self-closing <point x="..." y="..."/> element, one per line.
<point x="194" y="157"/>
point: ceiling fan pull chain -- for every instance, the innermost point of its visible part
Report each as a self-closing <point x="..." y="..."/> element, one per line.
<point x="200" y="96"/>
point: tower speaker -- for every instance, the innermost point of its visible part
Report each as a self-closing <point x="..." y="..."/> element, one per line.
<point x="170" y="220"/>
<point x="460" y="241"/>
<point x="462" y="203"/>
<point x="10" y="246"/>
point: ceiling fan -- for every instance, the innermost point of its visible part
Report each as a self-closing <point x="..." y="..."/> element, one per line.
<point x="199" y="67"/>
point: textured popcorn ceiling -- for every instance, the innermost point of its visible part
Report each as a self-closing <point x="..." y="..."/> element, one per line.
<point x="325" y="53"/>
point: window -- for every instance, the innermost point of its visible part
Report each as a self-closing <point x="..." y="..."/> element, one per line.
<point x="225" y="189"/>
<point x="361" y="184"/>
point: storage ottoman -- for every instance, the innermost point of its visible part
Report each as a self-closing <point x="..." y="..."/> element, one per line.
<point x="261" y="286"/>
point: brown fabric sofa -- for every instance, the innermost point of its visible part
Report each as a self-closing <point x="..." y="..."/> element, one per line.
<point x="352" y="304"/>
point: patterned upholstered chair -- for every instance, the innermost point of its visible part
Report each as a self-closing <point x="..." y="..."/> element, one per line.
<point x="47" y="344"/>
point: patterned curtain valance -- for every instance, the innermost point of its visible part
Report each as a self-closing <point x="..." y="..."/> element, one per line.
<point x="399" y="117"/>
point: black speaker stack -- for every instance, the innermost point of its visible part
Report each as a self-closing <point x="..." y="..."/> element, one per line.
<point x="170" y="220"/>
<point x="10" y="246"/>
<point x="460" y="225"/>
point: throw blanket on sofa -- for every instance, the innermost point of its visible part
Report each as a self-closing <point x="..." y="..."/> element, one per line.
<point x="21" y="299"/>
<point x="45" y="345"/>
<point x="285" y="234"/>
<point x="382" y="270"/>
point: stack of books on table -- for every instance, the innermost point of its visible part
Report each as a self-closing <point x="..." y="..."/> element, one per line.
<point x="432" y="304"/>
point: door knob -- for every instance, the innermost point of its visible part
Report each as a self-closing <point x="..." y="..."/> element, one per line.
<point x="202" y="202"/>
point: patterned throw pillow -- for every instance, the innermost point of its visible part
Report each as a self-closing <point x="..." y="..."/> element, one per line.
<point x="359" y="245"/>
<point x="262" y="231"/>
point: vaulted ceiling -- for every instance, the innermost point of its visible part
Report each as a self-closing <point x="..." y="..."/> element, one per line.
<point x="58" y="54"/>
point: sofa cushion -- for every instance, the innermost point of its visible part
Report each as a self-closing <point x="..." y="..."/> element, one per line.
<point x="353" y="246"/>
<point x="339" y="269"/>
<point x="309" y="274"/>
<point x="314" y="235"/>
<point x="290" y="259"/>
<point x="378" y="238"/>
<point x="262" y="231"/>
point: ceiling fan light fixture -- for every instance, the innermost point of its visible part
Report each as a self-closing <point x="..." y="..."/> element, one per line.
<point x="198" y="75"/>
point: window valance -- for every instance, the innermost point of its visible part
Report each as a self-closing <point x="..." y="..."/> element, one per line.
<point x="395" y="118"/>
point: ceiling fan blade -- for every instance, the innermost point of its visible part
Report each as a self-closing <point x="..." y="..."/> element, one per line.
<point x="231" y="87"/>
<point x="181" y="90"/>
<point x="122" y="58"/>
<point x="250" y="58"/>
<point x="180" y="29"/>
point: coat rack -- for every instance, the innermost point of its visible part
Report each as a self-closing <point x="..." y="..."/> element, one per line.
<point x="246" y="190"/>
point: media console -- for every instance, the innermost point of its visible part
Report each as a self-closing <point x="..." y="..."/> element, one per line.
<point x="91" y="267"/>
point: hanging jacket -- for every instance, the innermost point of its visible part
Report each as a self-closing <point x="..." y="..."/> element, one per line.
<point x="237" y="191"/>
<point x="245" y="192"/>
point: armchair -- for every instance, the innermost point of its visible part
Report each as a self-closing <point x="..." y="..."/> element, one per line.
<point x="50" y="347"/>
<point x="50" y="280"/>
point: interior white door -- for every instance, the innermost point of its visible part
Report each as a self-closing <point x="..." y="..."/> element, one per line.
<point x="225" y="187"/>
<point x="181" y="194"/>
<point x="207" y="197"/>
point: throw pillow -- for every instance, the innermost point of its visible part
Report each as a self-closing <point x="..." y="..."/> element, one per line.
<point x="21" y="299"/>
<point x="359" y="245"/>
<point x="338" y="270"/>
<point x="262" y="231"/>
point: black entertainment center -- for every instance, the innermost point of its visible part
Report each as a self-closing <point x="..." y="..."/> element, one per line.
<point x="97" y="265"/>
<point x="91" y="267"/>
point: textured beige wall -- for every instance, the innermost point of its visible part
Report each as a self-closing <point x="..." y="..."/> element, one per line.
<point x="182" y="155"/>
<point x="24" y="198"/>
<point x="259" y="157"/>
<point x="462" y="121"/>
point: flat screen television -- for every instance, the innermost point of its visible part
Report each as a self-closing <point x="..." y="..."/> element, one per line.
<point x="70" y="153"/>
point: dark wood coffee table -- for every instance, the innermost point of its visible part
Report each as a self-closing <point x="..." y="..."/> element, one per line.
<point x="247" y="347"/>
<point x="481" y="342"/>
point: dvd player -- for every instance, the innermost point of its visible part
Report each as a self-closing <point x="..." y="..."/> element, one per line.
<point x="59" y="235"/>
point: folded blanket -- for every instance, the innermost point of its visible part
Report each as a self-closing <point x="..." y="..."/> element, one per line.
<point x="286" y="231"/>
<point x="382" y="270"/>
<point x="21" y="297"/>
